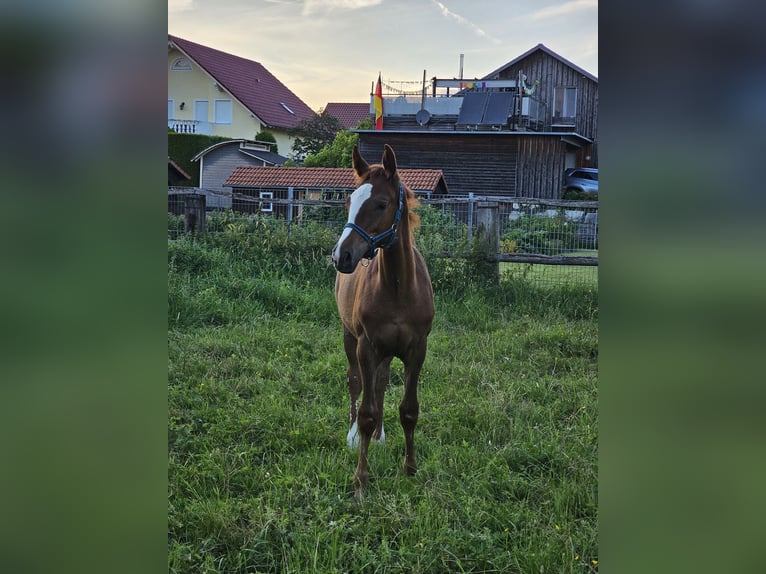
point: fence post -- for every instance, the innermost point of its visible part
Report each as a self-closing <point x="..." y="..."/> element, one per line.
<point x="470" y="218"/>
<point x="290" y="196"/>
<point x="194" y="213"/>
<point x="487" y="244"/>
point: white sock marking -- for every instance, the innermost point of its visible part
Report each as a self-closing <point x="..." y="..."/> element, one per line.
<point x="352" y="438"/>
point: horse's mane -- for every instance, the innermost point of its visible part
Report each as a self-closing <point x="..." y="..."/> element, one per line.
<point x="412" y="204"/>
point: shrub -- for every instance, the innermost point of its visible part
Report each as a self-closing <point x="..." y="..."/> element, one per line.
<point x="542" y="234"/>
<point x="575" y="195"/>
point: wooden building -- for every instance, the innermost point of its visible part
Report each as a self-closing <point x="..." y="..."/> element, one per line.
<point x="513" y="132"/>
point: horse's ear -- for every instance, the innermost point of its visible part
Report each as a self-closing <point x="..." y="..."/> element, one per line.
<point x="389" y="160"/>
<point x="357" y="161"/>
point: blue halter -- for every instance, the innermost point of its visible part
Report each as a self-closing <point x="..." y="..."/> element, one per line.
<point x="389" y="234"/>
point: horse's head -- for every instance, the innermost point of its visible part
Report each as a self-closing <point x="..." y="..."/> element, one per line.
<point x="374" y="211"/>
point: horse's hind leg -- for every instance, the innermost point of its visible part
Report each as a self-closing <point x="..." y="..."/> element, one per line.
<point x="409" y="408"/>
<point x="354" y="383"/>
<point x="381" y="382"/>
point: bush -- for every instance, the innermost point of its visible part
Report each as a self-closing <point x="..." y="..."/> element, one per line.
<point x="575" y="195"/>
<point x="542" y="234"/>
<point x="175" y="225"/>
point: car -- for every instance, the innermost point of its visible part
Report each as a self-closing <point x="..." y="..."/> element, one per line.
<point x="580" y="180"/>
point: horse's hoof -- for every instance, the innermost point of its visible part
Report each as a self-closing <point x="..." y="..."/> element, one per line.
<point x="410" y="469"/>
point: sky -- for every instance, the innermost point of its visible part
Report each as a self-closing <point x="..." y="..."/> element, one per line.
<point x="332" y="50"/>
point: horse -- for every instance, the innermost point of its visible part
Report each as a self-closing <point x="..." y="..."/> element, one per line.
<point x="385" y="301"/>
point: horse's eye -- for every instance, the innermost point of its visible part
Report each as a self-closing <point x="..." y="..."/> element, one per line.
<point x="381" y="205"/>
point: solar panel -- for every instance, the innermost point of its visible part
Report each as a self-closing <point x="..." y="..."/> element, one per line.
<point x="473" y="107"/>
<point x="498" y="108"/>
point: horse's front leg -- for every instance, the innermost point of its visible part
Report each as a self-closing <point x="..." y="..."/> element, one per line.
<point x="369" y="414"/>
<point x="409" y="408"/>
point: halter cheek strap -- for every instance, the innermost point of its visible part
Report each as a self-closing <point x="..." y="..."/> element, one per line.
<point x="389" y="234"/>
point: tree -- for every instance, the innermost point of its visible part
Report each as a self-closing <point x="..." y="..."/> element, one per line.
<point x="365" y="124"/>
<point x="338" y="153"/>
<point x="312" y="134"/>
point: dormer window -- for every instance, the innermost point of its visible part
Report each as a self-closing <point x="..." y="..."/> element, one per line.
<point x="181" y="65"/>
<point x="284" y="105"/>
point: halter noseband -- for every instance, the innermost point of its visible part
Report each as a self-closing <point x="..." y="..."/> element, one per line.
<point x="377" y="241"/>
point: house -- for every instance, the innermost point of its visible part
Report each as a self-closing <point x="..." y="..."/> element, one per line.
<point x="214" y="93"/>
<point x="349" y="114"/>
<point x="513" y="132"/>
<point x="265" y="183"/>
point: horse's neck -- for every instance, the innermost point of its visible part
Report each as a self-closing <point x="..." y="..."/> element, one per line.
<point x="397" y="263"/>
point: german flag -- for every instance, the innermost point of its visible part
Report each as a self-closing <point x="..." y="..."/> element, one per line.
<point x="377" y="103"/>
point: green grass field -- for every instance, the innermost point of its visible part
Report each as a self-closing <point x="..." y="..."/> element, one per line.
<point x="261" y="480"/>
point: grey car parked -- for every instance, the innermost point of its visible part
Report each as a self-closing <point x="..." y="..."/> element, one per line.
<point x="581" y="180"/>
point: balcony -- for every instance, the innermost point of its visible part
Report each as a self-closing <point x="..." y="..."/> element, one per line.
<point x="191" y="127"/>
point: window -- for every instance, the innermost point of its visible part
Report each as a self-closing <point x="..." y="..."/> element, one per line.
<point x="266" y="206"/>
<point x="180" y="65"/>
<point x="170" y="109"/>
<point x="201" y="110"/>
<point x="564" y="104"/>
<point x="222" y="110"/>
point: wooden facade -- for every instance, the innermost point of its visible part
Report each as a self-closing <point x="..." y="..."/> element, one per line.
<point x="484" y="163"/>
<point x="552" y="72"/>
<point x="470" y="162"/>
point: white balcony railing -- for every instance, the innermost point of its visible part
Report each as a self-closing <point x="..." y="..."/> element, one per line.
<point x="191" y="127"/>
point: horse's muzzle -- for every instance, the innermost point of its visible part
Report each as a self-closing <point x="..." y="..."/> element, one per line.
<point x="343" y="261"/>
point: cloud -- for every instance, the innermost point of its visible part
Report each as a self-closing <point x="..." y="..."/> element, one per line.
<point x="313" y="6"/>
<point x="179" y="5"/>
<point x="564" y="9"/>
<point x="463" y="21"/>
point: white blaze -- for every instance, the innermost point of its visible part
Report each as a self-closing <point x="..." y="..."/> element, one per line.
<point x="360" y="195"/>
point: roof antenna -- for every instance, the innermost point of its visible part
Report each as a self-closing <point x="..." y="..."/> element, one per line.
<point x="423" y="116"/>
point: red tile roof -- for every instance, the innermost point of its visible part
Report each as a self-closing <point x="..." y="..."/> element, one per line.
<point x="327" y="177"/>
<point x="349" y="114"/>
<point x="248" y="81"/>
